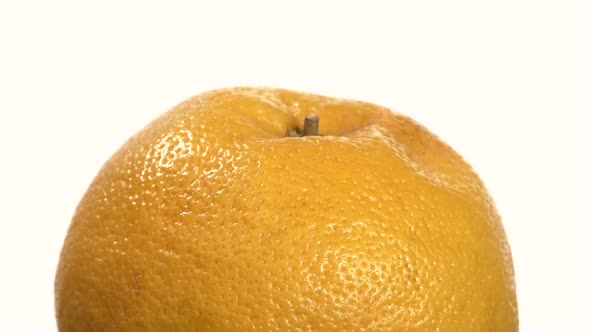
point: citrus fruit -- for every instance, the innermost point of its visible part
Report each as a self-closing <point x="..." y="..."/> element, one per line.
<point x="266" y="209"/>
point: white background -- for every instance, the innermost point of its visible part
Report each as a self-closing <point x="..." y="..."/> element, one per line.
<point x="506" y="83"/>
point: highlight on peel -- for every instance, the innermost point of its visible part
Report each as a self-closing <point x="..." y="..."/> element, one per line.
<point x="267" y="209"/>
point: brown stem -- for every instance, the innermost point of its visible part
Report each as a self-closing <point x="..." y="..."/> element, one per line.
<point x="310" y="125"/>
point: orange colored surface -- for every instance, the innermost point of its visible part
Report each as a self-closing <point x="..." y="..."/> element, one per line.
<point x="212" y="218"/>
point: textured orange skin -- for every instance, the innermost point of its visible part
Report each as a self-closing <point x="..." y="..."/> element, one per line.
<point x="212" y="218"/>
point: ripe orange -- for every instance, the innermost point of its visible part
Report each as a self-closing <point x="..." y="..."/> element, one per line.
<point x="218" y="216"/>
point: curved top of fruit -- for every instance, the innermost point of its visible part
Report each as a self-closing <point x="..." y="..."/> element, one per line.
<point x="219" y="216"/>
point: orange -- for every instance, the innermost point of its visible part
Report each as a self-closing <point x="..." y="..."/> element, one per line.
<point x="219" y="216"/>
